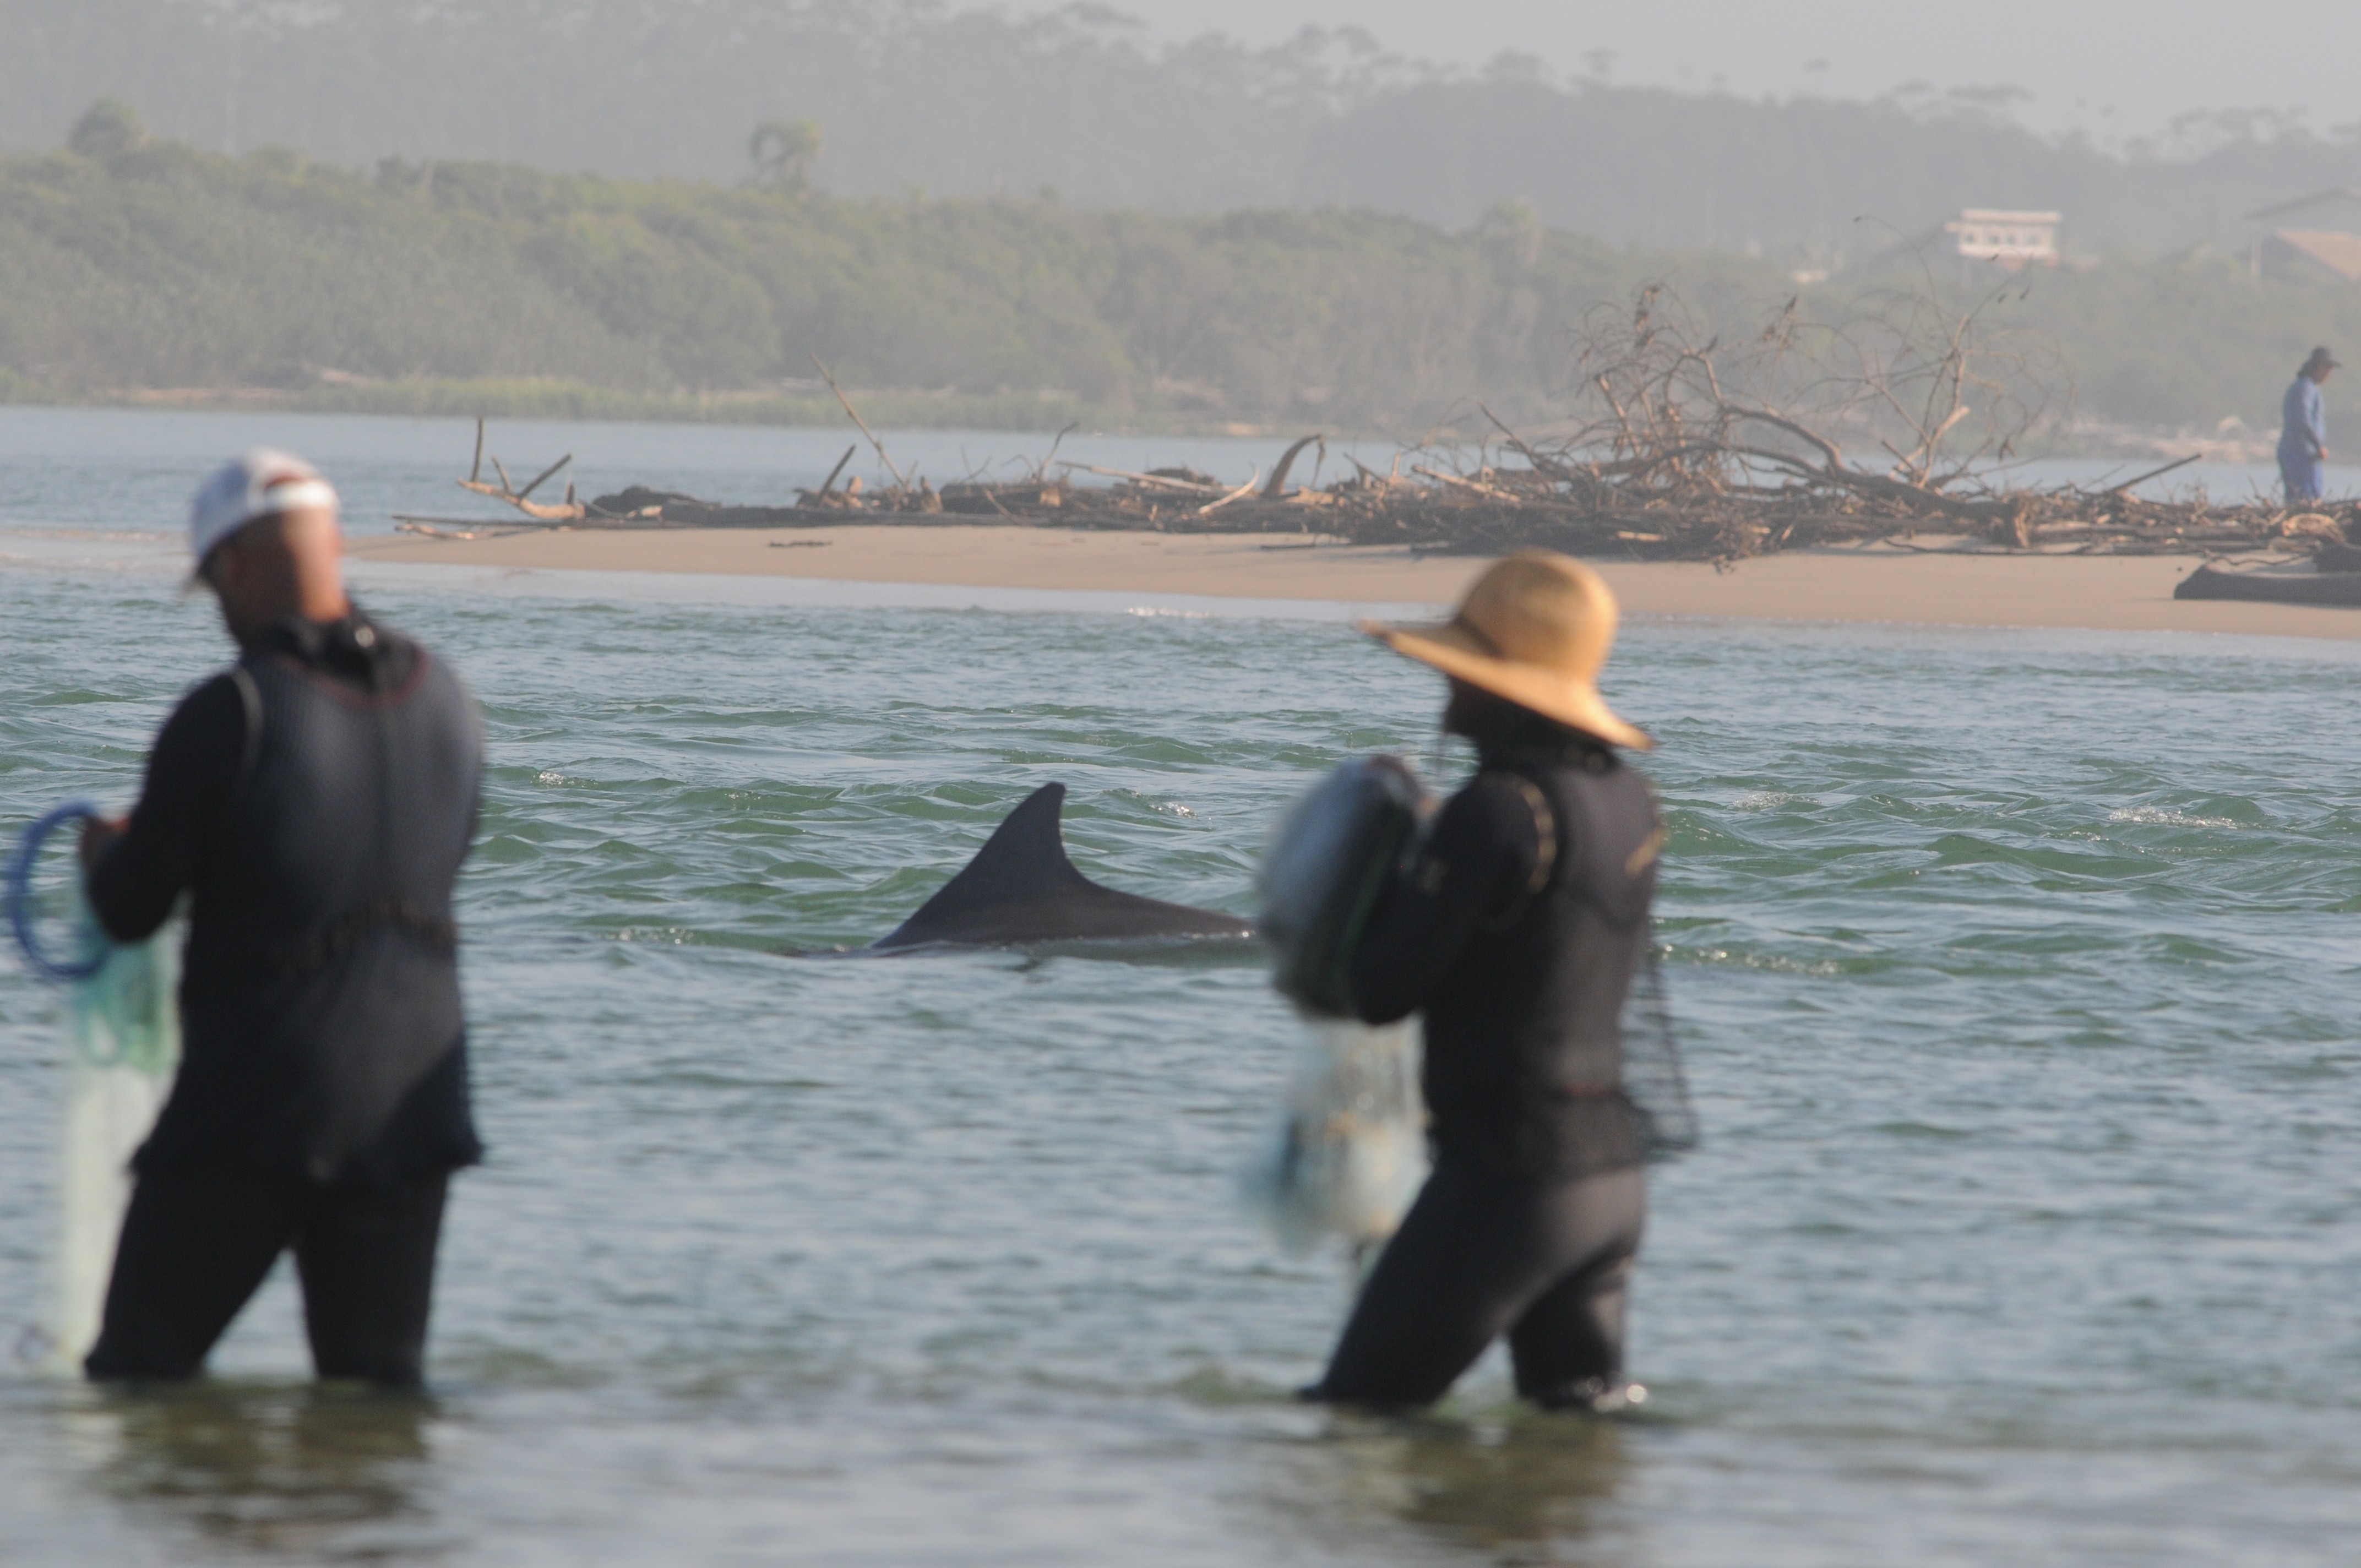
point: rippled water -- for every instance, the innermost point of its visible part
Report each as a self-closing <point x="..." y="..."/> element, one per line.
<point x="2016" y="972"/>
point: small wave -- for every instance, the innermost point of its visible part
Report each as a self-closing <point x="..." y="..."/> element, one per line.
<point x="660" y="935"/>
<point x="1162" y="612"/>
<point x="1158" y="804"/>
<point x="1818" y="969"/>
<point x="1769" y="800"/>
<point x="2157" y="817"/>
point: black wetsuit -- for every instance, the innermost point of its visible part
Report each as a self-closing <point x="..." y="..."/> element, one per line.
<point x="1517" y="930"/>
<point x="315" y="802"/>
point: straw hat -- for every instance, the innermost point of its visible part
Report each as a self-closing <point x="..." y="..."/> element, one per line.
<point x="1535" y="629"/>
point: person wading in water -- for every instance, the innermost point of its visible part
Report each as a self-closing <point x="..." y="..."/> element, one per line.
<point x="314" y="802"/>
<point x="1517" y="928"/>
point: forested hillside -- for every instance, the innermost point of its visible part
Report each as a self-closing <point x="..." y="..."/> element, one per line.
<point x="133" y="262"/>
<point x="969" y="103"/>
<point x="147" y="263"/>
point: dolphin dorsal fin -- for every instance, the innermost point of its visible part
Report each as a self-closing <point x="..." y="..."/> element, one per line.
<point x="1020" y="888"/>
<point x="1025" y="857"/>
<point x="1023" y="861"/>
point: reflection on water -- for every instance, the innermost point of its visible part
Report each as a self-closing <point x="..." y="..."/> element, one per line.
<point x="275" y="1471"/>
<point x="1513" y="1487"/>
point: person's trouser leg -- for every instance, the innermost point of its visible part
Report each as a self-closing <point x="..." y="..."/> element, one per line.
<point x="366" y="1260"/>
<point x="1477" y="1256"/>
<point x="1568" y="1346"/>
<point x="2299" y="472"/>
<point x="197" y="1241"/>
<point x="1446" y="1286"/>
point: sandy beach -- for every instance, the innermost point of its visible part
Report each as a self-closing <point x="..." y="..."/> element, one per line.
<point x="1926" y="587"/>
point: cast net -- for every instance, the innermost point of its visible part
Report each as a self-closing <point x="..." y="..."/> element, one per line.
<point x="1351" y="1147"/>
<point x="123" y="1046"/>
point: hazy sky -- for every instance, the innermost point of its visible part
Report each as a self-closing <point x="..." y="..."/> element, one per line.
<point x="2118" y="68"/>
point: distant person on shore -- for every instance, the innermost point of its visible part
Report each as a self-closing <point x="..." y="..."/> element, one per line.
<point x="1517" y="929"/>
<point x="314" y="802"/>
<point x="2304" y="429"/>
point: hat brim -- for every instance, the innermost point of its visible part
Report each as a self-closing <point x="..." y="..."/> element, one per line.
<point x="1456" y="653"/>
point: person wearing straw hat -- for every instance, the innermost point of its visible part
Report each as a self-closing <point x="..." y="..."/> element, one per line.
<point x="314" y="803"/>
<point x="2303" y="428"/>
<point x="1517" y="928"/>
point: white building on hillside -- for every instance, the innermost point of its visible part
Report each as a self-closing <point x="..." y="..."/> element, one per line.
<point x="2007" y="237"/>
<point x="1970" y="246"/>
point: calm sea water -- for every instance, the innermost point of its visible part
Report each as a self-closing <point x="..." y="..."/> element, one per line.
<point x="2016" y="972"/>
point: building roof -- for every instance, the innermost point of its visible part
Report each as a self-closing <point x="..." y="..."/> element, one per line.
<point x="2333" y="193"/>
<point x="2008" y="215"/>
<point x="2339" y="253"/>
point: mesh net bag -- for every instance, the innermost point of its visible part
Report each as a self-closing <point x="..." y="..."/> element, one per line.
<point x="1653" y="1080"/>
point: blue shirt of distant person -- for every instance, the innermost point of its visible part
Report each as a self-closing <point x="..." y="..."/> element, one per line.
<point x="2304" y="429"/>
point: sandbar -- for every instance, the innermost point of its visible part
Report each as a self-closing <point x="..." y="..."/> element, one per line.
<point x="1928" y="587"/>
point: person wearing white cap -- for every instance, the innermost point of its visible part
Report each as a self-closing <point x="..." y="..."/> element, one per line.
<point x="1517" y="930"/>
<point x="314" y="802"/>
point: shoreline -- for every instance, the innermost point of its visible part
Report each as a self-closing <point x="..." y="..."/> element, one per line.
<point x="1927" y="587"/>
<point x="1027" y="417"/>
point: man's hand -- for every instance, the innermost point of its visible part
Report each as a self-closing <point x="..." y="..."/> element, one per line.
<point x="97" y="833"/>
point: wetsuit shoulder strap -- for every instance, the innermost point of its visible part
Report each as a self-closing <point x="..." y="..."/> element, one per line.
<point x="1544" y="850"/>
<point x="249" y="697"/>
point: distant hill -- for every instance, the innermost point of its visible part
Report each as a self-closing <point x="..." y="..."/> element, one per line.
<point x="136" y="262"/>
<point x="969" y="104"/>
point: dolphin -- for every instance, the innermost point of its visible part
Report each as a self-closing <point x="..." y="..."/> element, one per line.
<point x="1021" y="889"/>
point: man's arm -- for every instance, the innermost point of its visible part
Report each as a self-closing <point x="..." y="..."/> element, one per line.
<point x="1475" y="864"/>
<point x="136" y="869"/>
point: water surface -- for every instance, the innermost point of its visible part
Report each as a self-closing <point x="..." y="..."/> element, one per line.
<point x="2016" y="972"/>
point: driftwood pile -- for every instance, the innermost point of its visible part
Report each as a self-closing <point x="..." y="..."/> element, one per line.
<point x="1761" y="484"/>
<point x="1682" y="445"/>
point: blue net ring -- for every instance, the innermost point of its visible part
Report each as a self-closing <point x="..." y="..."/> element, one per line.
<point x="19" y="893"/>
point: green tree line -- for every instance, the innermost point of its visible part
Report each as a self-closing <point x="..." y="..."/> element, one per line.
<point x="136" y="262"/>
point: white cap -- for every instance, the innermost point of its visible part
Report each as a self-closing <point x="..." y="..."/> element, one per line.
<point x="261" y="483"/>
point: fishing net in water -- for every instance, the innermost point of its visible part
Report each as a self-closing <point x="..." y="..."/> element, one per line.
<point x="1653" y="1080"/>
<point x="124" y="1045"/>
<point x="1350" y="1152"/>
